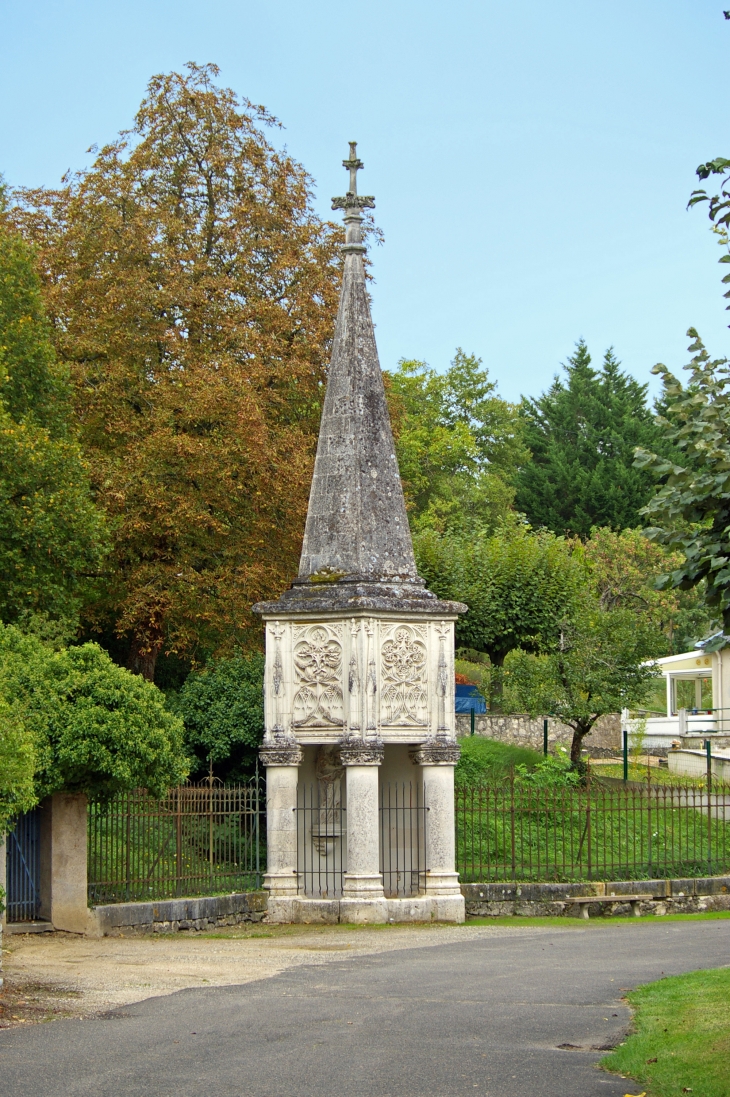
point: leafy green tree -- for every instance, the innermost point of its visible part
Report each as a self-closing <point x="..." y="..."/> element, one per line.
<point x="582" y="433"/>
<point x="51" y="535"/>
<point x="96" y="727"/>
<point x="458" y="443"/>
<point x="691" y="507"/>
<point x="519" y="586"/>
<point x="718" y="208"/>
<point x="223" y="710"/>
<point x="596" y="667"/>
<point x="17" y="767"/>
<point x="625" y="566"/>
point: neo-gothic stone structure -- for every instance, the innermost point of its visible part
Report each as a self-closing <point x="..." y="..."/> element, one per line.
<point x="359" y="745"/>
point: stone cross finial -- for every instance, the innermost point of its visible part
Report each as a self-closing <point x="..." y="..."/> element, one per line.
<point x="353" y="200"/>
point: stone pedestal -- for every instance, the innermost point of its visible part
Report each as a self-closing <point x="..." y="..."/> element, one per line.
<point x="437" y="758"/>
<point x="281" y="756"/>
<point x="363" y="899"/>
<point x="64" y="900"/>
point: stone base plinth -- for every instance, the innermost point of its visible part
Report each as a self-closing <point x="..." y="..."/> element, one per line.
<point x="421" y="908"/>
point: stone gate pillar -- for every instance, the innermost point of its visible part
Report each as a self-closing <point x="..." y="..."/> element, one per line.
<point x="437" y="758"/>
<point x="282" y="757"/>
<point x="362" y="892"/>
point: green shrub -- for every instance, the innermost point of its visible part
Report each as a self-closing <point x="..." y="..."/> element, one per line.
<point x="97" y="728"/>
<point x="223" y="710"/>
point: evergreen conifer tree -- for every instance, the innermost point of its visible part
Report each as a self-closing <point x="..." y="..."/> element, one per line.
<point x="582" y="433"/>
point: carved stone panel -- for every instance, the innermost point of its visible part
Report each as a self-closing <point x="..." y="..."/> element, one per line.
<point x="317" y="657"/>
<point x="404" y="675"/>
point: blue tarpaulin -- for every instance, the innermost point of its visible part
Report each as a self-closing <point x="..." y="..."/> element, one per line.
<point x="468" y="698"/>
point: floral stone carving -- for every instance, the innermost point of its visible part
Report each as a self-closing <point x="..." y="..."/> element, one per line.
<point x="404" y="699"/>
<point x="318" y="673"/>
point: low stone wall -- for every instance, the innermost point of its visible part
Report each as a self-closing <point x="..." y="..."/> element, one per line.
<point x="522" y="730"/>
<point x="171" y="915"/>
<point x="543" y="900"/>
<point x="482" y="901"/>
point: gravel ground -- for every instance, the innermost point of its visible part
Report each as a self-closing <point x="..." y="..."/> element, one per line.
<point x="55" y="975"/>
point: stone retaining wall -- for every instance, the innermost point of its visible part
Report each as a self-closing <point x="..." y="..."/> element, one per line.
<point x="543" y="900"/>
<point x="171" y="915"/>
<point x="482" y="901"/>
<point x="522" y="730"/>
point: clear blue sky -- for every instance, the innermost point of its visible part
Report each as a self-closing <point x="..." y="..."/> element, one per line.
<point x="531" y="161"/>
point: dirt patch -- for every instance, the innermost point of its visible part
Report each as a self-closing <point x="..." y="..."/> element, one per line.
<point x="55" y="975"/>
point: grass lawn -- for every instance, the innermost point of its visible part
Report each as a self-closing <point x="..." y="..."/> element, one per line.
<point x="681" y="1042"/>
<point x="659" y="775"/>
<point x="486" y="760"/>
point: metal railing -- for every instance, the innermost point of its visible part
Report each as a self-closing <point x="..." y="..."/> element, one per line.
<point x="519" y="832"/>
<point x="197" y="840"/>
<point x="321" y="839"/>
<point x="402" y="839"/>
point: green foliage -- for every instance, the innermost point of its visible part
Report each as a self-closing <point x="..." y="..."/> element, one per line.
<point x="51" y="535"/>
<point x="718" y="208"/>
<point x="554" y="771"/>
<point x="681" y="1035"/>
<point x="519" y="585"/>
<point x="223" y="710"/>
<point x="487" y="761"/>
<point x="691" y="507"/>
<point x="624" y="568"/>
<point x="582" y="433"/>
<point x="97" y="728"/>
<point x="458" y="444"/>
<point x="595" y="667"/>
<point x="17" y="766"/>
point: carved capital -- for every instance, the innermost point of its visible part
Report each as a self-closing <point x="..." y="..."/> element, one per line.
<point x="439" y="750"/>
<point x="280" y="749"/>
<point x="361" y="752"/>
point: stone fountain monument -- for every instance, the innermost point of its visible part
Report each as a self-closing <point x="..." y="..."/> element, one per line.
<point x="359" y="688"/>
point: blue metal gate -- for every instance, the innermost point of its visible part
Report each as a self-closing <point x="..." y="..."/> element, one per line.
<point x="23" y="846"/>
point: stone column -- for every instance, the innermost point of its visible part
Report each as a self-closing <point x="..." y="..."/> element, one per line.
<point x="64" y="900"/>
<point x="437" y="758"/>
<point x="363" y="899"/>
<point x="281" y="756"/>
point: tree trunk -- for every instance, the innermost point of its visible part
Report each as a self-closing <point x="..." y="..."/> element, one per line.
<point x="142" y="658"/>
<point x="579" y="733"/>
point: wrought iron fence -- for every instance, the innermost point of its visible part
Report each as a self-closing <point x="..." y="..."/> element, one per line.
<point x="23" y="846"/>
<point x="402" y="839"/>
<point x="321" y="839"/>
<point x="196" y="840"/>
<point x="518" y="832"/>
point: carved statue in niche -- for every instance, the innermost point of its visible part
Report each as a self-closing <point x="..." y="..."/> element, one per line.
<point x="404" y="698"/>
<point x="327" y="821"/>
<point x="318" y="671"/>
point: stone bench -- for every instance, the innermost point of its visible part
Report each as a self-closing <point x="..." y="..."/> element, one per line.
<point x="634" y="900"/>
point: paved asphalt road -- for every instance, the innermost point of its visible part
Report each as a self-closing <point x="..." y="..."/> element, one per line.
<point x="484" y="1016"/>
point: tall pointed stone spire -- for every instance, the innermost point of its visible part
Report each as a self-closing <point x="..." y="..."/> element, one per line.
<point x="357" y="549"/>
<point x="356" y="523"/>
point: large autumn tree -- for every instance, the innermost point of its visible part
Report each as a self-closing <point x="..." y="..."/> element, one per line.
<point x="192" y="292"/>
